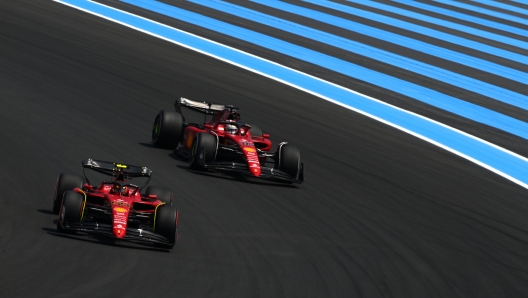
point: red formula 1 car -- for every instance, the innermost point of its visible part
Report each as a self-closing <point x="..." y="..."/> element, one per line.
<point x="224" y="143"/>
<point x="116" y="208"/>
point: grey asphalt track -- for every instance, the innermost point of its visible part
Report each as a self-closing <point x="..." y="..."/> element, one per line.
<point x="381" y="214"/>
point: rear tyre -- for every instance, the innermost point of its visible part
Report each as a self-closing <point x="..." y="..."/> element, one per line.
<point x="65" y="182"/>
<point x="289" y="160"/>
<point x="70" y="211"/>
<point x="255" y="131"/>
<point x="164" y="195"/>
<point x="167" y="130"/>
<point x="203" y="150"/>
<point x="166" y="225"/>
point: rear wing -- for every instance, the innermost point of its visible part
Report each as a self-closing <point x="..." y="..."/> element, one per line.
<point x="113" y="168"/>
<point x="200" y="106"/>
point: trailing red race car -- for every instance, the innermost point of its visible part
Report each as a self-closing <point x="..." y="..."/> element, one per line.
<point x="116" y="208"/>
<point x="224" y="143"/>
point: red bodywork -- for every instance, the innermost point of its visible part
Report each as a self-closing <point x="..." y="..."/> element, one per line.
<point x="120" y="202"/>
<point x="243" y="139"/>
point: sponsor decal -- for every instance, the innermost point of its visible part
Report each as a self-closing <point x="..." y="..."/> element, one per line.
<point x="120" y="209"/>
<point x="121" y="166"/>
<point x="120" y="203"/>
<point x="250" y="149"/>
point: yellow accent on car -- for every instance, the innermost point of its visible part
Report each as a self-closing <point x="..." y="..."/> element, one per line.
<point x="250" y="149"/>
<point x="120" y="209"/>
<point x="155" y="213"/>
<point x="84" y="204"/>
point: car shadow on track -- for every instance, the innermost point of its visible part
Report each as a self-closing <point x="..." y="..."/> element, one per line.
<point x="102" y="240"/>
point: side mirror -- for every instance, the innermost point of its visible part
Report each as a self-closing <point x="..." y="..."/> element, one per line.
<point x="152" y="197"/>
<point x="87" y="186"/>
<point x="266" y="135"/>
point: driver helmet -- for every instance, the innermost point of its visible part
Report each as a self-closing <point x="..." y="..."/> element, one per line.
<point x="116" y="188"/>
<point x="124" y="191"/>
<point x="231" y="129"/>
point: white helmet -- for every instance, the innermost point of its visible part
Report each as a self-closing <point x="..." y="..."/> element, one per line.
<point x="231" y="129"/>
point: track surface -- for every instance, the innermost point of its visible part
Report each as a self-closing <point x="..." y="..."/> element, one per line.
<point x="382" y="214"/>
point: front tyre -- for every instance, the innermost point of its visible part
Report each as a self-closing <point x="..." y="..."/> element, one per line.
<point x="65" y="182"/>
<point x="167" y="130"/>
<point x="71" y="210"/>
<point x="255" y="131"/>
<point x="289" y="160"/>
<point x="166" y="224"/>
<point x="163" y="194"/>
<point x="203" y="150"/>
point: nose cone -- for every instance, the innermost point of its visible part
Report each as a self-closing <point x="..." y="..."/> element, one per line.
<point x="253" y="162"/>
<point x="120" y="215"/>
<point x="255" y="171"/>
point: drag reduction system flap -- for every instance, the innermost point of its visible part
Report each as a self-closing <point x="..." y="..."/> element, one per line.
<point x="111" y="168"/>
<point x="200" y="106"/>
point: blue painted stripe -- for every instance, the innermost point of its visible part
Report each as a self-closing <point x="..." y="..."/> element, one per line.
<point x="496" y="159"/>
<point x="504" y="6"/>
<point x="461" y="81"/>
<point x="436" y="21"/>
<point x="481" y="10"/>
<point x="401" y="40"/>
<point x="464" y="17"/>
<point x="424" y="30"/>
<point x="431" y="97"/>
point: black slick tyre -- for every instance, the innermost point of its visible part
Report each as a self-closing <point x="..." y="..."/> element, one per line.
<point x="164" y="195"/>
<point x="167" y="130"/>
<point x="65" y="182"/>
<point x="71" y="210"/>
<point x="203" y="150"/>
<point x="166" y="225"/>
<point x="255" y="131"/>
<point x="289" y="160"/>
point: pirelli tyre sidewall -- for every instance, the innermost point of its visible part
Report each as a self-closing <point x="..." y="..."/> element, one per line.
<point x="203" y="150"/>
<point x="65" y="182"/>
<point x="165" y="195"/>
<point x="166" y="224"/>
<point x="71" y="209"/>
<point x="167" y="130"/>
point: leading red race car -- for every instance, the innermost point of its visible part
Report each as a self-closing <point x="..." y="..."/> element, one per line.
<point x="116" y="208"/>
<point x="224" y="143"/>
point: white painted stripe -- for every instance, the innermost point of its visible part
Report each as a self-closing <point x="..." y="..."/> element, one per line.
<point x="486" y="166"/>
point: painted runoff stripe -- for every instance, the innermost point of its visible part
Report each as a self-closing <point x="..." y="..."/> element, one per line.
<point x="503" y="6"/>
<point x="465" y="17"/>
<point x="423" y="30"/>
<point x="423" y="94"/>
<point x="461" y="81"/>
<point x="436" y="21"/>
<point x="481" y="10"/>
<point x="496" y="159"/>
<point x="401" y="40"/>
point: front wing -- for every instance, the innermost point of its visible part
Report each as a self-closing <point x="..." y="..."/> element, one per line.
<point x="106" y="230"/>
<point x="266" y="172"/>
